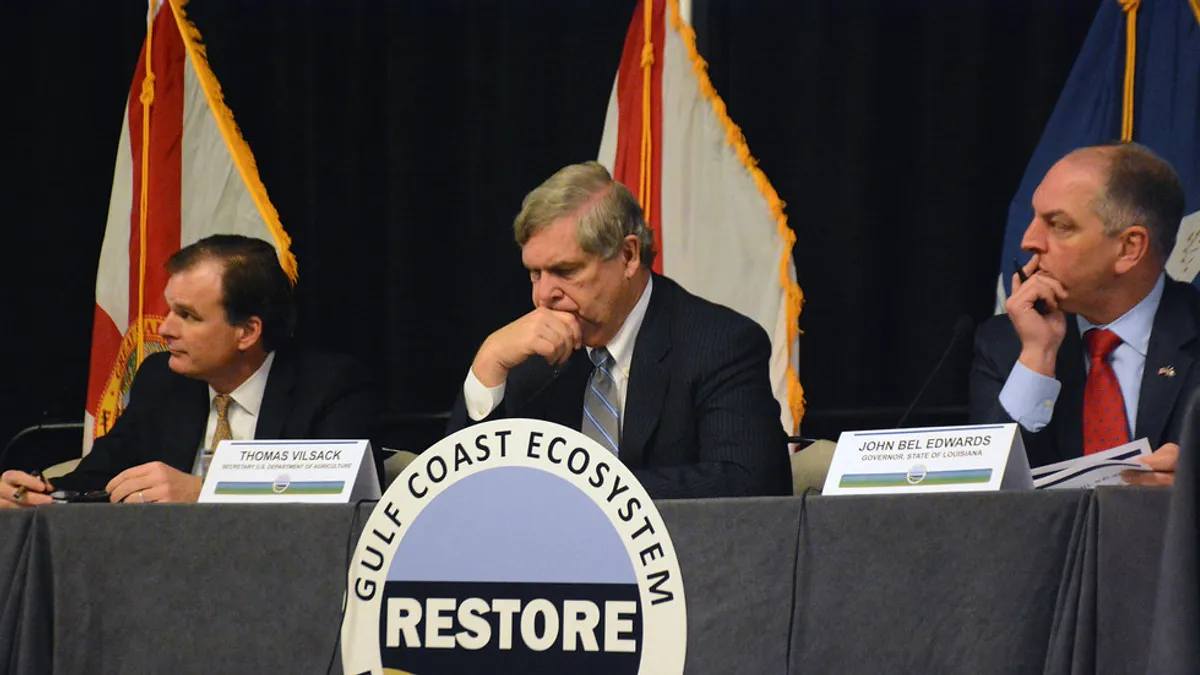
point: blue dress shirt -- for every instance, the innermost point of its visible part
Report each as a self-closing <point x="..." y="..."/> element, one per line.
<point x="1029" y="397"/>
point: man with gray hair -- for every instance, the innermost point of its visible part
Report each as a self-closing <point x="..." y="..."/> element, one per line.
<point x="1098" y="346"/>
<point x="675" y="386"/>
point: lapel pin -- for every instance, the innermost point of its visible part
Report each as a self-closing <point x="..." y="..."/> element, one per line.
<point x="1169" y="371"/>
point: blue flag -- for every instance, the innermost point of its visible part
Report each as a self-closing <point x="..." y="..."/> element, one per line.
<point x="1166" y="115"/>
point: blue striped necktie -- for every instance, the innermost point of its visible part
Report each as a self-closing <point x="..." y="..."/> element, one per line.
<point x="601" y="417"/>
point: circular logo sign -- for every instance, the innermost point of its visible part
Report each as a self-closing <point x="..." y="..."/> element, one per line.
<point x="916" y="474"/>
<point x="515" y="546"/>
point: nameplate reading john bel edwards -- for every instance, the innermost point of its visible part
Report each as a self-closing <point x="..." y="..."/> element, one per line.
<point x="515" y="546"/>
<point x="977" y="458"/>
<point x="316" y="471"/>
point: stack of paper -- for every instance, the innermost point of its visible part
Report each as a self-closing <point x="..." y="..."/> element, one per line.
<point x="1101" y="468"/>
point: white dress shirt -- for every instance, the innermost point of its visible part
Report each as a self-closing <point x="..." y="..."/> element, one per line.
<point x="1029" y="397"/>
<point x="482" y="400"/>
<point x="243" y="410"/>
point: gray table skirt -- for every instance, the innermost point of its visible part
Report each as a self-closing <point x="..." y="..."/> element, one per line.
<point x="969" y="583"/>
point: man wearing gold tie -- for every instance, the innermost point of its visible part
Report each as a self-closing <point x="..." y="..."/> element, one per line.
<point x="228" y="373"/>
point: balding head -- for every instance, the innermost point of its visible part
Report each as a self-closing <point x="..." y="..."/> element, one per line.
<point x="1139" y="188"/>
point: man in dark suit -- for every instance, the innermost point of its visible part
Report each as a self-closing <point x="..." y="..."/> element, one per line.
<point x="228" y="374"/>
<point x="674" y="385"/>
<point x="1098" y="346"/>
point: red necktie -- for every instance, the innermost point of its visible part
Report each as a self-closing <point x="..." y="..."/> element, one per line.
<point x="1104" y="424"/>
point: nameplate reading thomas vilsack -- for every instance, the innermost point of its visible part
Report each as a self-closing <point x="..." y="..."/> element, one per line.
<point x="976" y="458"/>
<point x="315" y="471"/>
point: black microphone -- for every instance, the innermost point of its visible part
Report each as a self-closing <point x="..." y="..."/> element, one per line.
<point x="556" y="370"/>
<point x="41" y="426"/>
<point x="962" y="326"/>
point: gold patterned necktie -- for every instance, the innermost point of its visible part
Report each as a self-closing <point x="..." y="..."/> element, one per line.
<point x="223" y="433"/>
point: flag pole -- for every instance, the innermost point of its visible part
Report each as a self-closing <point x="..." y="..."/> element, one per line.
<point x="147" y="100"/>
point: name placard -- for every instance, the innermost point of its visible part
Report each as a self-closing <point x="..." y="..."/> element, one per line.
<point x="974" y="458"/>
<point x="315" y="471"/>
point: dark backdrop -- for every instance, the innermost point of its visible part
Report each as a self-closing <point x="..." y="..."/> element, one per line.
<point x="396" y="140"/>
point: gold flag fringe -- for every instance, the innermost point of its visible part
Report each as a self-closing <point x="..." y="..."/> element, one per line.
<point x="736" y="140"/>
<point x="243" y="158"/>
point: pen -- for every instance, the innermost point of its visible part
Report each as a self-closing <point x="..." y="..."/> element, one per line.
<point x="20" y="491"/>
<point x="1039" y="305"/>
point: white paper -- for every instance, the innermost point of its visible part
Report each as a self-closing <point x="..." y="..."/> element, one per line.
<point x="1101" y="468"/>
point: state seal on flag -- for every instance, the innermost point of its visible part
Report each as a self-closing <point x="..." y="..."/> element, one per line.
<point x="115" y="395"/>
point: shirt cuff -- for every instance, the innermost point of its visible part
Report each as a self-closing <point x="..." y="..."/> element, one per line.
<point x="1029" y="397"/>
<point x="481" y="400"/>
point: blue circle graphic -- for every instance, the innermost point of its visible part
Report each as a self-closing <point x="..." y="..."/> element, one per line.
<point x="520" y="525"/>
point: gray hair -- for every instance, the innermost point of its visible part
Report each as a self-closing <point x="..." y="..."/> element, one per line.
<point x="1142" y="189"/>
<point x="607" y="212"/>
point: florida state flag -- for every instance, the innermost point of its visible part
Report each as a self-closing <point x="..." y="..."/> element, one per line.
<point x="718" y="223"/>
<point x="183" y="172"/>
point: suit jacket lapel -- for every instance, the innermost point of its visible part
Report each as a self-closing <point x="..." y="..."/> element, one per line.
<point x="187" y="424"/>
<point x="1167" y="363"/>
<point x="552" y="394"/>
<point x="648" y="376"/>
<point x="277" y="398"/>
<point x="1068" y="409"/>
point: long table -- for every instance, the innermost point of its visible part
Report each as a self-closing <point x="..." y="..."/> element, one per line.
<point x="1054" y="582"/>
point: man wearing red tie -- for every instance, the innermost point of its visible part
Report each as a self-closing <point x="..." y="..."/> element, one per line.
<point x="1099" y="345"/>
